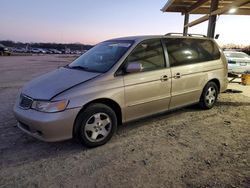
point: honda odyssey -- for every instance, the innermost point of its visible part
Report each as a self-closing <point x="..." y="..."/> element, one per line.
<point x="121" y="80"/>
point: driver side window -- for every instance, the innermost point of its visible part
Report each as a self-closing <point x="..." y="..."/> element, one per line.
<point x="149" y="54"/>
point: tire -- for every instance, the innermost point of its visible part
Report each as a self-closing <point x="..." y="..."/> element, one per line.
<point x="95" y="125"/>
<point x="209" y="96"/>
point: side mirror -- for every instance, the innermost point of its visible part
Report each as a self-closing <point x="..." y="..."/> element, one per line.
<point x="134" y="67"/>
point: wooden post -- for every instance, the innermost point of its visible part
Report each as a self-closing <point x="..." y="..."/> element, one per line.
<point x="212" y="19"/>
<point x="186" y="20"/>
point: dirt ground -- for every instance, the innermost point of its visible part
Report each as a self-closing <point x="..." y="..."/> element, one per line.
<point x="183" y="148"/>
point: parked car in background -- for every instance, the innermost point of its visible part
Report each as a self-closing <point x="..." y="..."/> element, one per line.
<point x="42" y="51"/>
<point x="45" y="51"/>
<point x="238" y="62"/>
<point x="19" y="50"/>
<point x="4" y="50"/>
<point x="34" y="50"/>
<point x="37" y="50"/>
<point x="118" y="81"/>
<point x="54" y="51"/>
<point x="76" y="52"/>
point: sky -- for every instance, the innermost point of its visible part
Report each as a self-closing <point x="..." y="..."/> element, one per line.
<point x="92" y="21"/>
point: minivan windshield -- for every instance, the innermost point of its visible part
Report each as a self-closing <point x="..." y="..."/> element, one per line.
<point x="101" y="57"/>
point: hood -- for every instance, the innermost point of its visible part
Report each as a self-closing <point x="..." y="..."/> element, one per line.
<point x="48" y="85"/>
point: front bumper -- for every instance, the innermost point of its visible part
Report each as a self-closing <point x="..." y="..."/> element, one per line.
<point x="48" y="127"/>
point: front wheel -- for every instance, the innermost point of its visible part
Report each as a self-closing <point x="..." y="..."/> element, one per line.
<point x="209" y="96"/>
<point x="95" y="125"/>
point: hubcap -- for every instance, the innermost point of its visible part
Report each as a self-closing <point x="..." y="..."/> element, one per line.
<point x="210" y="95"/>
<point x="97" y="127"/>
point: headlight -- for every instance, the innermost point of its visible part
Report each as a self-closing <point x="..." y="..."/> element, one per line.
<point x="48" y="106"/>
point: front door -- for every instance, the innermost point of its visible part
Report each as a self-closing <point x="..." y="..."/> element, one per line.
<point x="148" y="91"/>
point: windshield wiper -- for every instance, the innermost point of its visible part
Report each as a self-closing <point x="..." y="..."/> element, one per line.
<point x="81" y="68"/>
<point x="76" y="67"/>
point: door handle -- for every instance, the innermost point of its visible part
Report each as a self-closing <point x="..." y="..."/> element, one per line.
<point x="164" y="78"/>
<point x="177" y="75"/>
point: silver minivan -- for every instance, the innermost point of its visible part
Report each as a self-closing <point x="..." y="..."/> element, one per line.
<point x="121" y="80"/>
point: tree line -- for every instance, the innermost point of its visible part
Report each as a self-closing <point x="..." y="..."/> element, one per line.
<point x="58" y="46"/>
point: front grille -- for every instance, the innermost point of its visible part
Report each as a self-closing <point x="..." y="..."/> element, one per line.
<point x="25" y="102"/>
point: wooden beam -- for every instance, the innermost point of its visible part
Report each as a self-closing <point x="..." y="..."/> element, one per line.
<point x="167" y="5"/>
<point x="196" y="5"/>
<point x="240" y="11"/>
<point x="234" y="4"/>
<point x="198" y="21"/>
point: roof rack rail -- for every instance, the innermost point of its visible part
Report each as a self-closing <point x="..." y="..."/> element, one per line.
<point x="190" y="35"/>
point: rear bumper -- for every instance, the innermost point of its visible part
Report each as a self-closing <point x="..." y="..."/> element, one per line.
<point x="48" y="127"/>
<point x="239" y="69"/>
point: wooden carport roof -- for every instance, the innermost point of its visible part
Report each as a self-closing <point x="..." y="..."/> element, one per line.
<point x="203" y="6"/>
<point x="210" y="9"/>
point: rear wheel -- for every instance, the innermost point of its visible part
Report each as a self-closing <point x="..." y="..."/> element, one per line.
<point x="95" y="125"/>
<point x="209" y="95"/>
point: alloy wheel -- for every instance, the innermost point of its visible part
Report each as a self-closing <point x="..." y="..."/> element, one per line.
<point x="97" y="127"/>
<point x="210" y="96"/>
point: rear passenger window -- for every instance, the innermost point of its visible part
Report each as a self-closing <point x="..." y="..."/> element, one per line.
<point x="149" y="53"/>
<point x="183" y="51"/>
